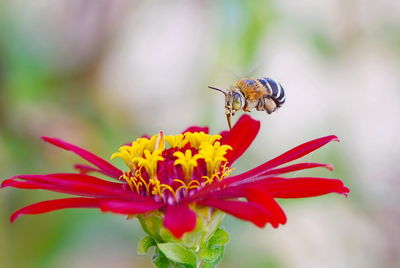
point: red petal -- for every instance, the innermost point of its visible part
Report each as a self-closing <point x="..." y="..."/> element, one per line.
<point x="248" y="211"/>
<point x="224" y="134"/>
<point x="77" y="184"/>
<point x="302" y="187"/>
<point x="20" y="184"/>
<point x="73" y="177"/>
<point x="260" y="196"/>
<point x="297" y="167"/>
<point x="129" y="208"/>
<point x="256" y="195"/>
<point x="240" y="137"/>
<point x="196" y="129"/>
<point x="290" y="155"/>
<point x="243" y="178"/>
<point x="51" y="205"/>
<point x="179" y="219"/>
<point x="84" y="169"/>
<point x="107" y="168"/>
<point x="80" y="190"/>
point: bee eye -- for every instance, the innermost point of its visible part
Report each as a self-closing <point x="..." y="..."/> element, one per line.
<point x="237" y="101"/>
<point x="237" y="98"/>
<point x="237" y="105"/>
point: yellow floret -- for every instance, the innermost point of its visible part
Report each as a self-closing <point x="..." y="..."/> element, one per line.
<point x="196" y="138"/>
<point x="187" y="162"/>
<point x="213" y="154"/>
<point x="149" y="161"/>
<point x="177" y="141"/>
<point x="144" y="154"/>
<point x="129" y="152"/>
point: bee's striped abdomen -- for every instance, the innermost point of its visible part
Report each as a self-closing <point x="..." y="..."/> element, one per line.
<point x="276" y="91"/>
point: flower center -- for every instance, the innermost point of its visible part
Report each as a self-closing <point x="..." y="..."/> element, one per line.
<point x="186" y="163"/>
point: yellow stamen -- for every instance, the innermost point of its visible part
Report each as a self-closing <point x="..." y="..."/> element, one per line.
<point x="156" y="187"/>
<point x="164" y="187"/>
<point x="127" y="179"/>
<point x="218" y="175"/>
<point x="187" y="186"/>
<point x="226" y="171"/>
<point x="159" y="188"/>
<point x="133" y="182"/>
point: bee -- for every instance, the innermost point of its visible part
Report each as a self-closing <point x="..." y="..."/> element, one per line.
<point x="264" y="94"/>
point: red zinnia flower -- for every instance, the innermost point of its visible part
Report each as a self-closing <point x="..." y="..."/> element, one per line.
<point x="186" y="182"/>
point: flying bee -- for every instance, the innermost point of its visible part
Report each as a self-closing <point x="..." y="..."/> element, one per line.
<point x="264" y="94"/>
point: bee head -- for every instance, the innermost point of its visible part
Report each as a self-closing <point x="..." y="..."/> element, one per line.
<point x="234" y="101"/>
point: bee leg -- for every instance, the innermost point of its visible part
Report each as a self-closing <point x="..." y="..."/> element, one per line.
<point x="246" y="106"/>
<point x="260" y="105"/>
<point x="269" y="105"/>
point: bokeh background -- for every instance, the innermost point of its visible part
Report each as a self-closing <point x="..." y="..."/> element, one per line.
<point x="100" y="73"/>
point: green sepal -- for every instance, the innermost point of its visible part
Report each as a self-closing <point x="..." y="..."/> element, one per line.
<point x="213" y="252"/>
<point x="144" y="244"/>
<point x="217" y="260"/>
<point x="152" y="224"/>
<point x="179" y="254"/>
<point x="220" y="238"/>
<point x="167" y="236"/>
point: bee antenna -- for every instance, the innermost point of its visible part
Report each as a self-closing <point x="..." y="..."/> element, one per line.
<point x="220" y="90"/>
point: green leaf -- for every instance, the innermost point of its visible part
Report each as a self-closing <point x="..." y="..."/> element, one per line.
<point x="220" y="238"/>
<point x="160" y="260"/>
<point x="178" y="253"/>
<point x="144" y="244"/>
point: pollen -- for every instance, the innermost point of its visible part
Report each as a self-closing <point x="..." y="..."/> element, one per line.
<point x="162" y="165"/>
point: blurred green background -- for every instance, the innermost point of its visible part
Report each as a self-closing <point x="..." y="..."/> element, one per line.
<point x="101" y="73"/>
